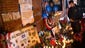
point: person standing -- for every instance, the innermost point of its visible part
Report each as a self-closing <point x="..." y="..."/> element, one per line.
<point x="75" y="16"/>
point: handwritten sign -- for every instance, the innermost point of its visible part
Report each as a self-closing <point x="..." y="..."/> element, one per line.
<point x="17" y="39"/>
<point x="27" y="17"/>
<point x="25" y="1"/>
<point x="25" y="7"/>
<point x="26" y="13"/>
<point x="24" y="38"/>
<point x="33" y="36"/>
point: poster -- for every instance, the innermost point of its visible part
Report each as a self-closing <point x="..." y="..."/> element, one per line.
<point x="17" y="39"/>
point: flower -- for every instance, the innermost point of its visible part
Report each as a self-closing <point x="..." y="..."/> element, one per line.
<point x="53" y="42"/>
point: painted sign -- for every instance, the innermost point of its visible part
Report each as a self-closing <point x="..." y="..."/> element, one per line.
<point x="10" y="16"/>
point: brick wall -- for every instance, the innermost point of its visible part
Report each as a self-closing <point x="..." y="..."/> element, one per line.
<point x="12" y="6"/>
<point x="9" y="5"/>
<point x="37" y="10"/>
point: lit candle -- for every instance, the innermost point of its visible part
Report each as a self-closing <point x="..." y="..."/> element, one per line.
<point x="52" y="46"/>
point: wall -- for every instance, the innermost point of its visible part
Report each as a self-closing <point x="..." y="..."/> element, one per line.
<point x="37" y="10"/>
<point x="8" y="8"/>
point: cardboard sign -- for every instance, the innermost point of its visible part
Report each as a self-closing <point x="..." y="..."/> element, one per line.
<point x="26" y="13"/>
<point x="25" y="7"/>
<point x="33" y="36"/>
<point x="25" y="1"/>
<point x="27" y="17"/>
<point x="24" y="38"/>
<point x="17" y="39"/>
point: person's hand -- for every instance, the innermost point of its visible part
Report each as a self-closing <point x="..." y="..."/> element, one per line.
<point x="79" y="21"/>
<point x="71" y="20"/>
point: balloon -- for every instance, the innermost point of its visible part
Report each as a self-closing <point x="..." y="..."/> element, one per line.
<point x="44" y="15"/>
<point x="55" y="8"/>
<point x="45" y="0"/>
<point x="48" y="8"/>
